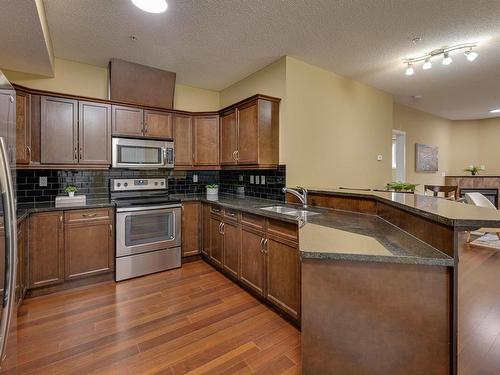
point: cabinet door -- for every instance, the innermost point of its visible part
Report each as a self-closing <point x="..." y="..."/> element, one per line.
<point x="206" y="140"/>
<point x="158" y="124"/>
<point x="216" y="243"/>
<point x="127" y="121"/>
<point x="248" y="135"/>
<point x="89" y="248"/>
<point x="228" y="140"/>
<point x="23" y="133"/>
<point x="94" y="128"/>
<point x="283" y="275"/>
<point x="21" y="251"/>
<point x="183" y="140"/>
<point x="190" y="228"/>
<point x="59" y="130"/>
<point x="205" y="248"/>
<point x="46" y="249"/>
<point x="232" y="248"/>
<point x="253" y="266"/>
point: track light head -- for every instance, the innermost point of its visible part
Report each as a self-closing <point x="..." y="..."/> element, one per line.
<point x="447" y="60"/>
<point x="471" y="55"/>
<point x="427" y="64"/>
<point x="409" y="70"/>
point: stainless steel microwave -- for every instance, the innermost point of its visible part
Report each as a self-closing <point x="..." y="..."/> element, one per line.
<point x="134" y="153"/>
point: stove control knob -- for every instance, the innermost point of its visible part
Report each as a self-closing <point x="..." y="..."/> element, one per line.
<point x="125" y="184"/>
<point x="118" y="184"/>
<point x="156" y="183"/>
<point x="162" y="183"/>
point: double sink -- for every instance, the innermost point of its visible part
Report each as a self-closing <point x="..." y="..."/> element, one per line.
<point x="292" y="211"/>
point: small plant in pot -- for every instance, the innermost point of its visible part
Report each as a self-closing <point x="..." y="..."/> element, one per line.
<point x="71" y="190"/>
<point x="474" y="169"/>
<point x="212" y="189"/>
<point x="401" y="187"/>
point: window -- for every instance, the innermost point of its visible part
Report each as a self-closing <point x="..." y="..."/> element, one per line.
<point x="394" y="164"/>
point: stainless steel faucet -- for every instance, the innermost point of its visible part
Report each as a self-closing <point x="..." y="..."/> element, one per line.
<point x="302" y="195"/>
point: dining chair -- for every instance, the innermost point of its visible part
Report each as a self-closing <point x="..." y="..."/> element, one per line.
<point x="448" y="191"/>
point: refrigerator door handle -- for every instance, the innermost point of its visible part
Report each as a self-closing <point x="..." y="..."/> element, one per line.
<point x="7" y="193"/>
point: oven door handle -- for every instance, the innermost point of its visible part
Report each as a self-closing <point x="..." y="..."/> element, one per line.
<point x="147" y="208"/>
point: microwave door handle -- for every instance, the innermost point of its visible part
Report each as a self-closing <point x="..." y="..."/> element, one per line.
<point x="164" y="152"/>
<point x="7" y="193"/>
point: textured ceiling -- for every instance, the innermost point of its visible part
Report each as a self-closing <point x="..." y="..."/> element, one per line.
<point x="22" y="41"/>
<point x="214" y="43"/>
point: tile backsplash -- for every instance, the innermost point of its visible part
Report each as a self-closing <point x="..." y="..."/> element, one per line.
<point x="95" y="184"/>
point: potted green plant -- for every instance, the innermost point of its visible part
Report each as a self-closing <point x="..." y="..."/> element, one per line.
<point x="401" y="187"/>
<point x="71" y="190"/>
<point x="212" y="189"/>
<point x="474" y="169"/>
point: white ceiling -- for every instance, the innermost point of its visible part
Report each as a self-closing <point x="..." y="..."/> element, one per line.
<point x="214" y="43"/>
<point x="22" y="41"/>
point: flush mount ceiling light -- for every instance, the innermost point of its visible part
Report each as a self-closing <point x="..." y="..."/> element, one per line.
<point x="495" y="110"/>
<point x="445" y="52"/>
<point x="151" y="6"/>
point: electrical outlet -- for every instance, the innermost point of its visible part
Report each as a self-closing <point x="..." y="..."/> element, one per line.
<point x="257" y="180"/>
<point x="240" y="178"/>
<point x="42" y="181"/>
<point x="379" y="157"/>
<point x="251" y="179"/>
<point x="262" y="180"/>
<point x="195" y="178"/>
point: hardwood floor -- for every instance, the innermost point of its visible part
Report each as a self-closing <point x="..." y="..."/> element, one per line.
<point x="479" y="311"/>
<point x="194" y="320"/>
<point x="191" y="320"/>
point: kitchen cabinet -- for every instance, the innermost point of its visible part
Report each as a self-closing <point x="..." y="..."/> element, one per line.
<point x="94" y="133"/>
<point x="88" y="243"/>
<point x="183" y="140"/>
<point x="253" y="260"/>
<point x="216" y="241"/>
<point x="283" y="274"/>
<point x="127" y="121"/>
<point x="205" y="248"/>
<point x="191" y="220"/>
<point x="158" y="124"/>
<point x="250" y="132"/>
<point x="206" y="140"/>
<point x="22" y="260"/>
<point x="59" y="130"/>
<point x="75" y="132"/>
<point x="231" y="233"/>
<point x="23" y="129"/>
<point x="46" y="249"/>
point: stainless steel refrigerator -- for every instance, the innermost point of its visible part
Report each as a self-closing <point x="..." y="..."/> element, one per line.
<point x="8" y="227"/>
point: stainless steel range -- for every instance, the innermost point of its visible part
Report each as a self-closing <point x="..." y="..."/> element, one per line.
<point x="148" y="227"/>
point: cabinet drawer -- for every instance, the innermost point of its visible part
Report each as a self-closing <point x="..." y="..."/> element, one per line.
<point x="253" y="221"/>
<point x="231" y="214"/>
<point x="283" y="229"/>
<point x="216" y="210"/>
<point x="85" y="215"/>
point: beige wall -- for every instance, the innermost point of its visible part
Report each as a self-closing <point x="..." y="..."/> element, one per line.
<point x="422" y="127"/>
<point x="88" y="80"/>
<point x="335" y="128"/>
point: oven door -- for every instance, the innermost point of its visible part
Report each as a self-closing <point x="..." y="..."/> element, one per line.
<point x="142" y="153"/>
<point x="140" y="230"/>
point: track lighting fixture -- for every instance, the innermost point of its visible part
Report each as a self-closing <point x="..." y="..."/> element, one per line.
<point x="445" y="52"/>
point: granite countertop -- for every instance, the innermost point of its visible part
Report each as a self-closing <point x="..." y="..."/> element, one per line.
<point x="341" y="235"/>
<point x="23" y="210"/>
<point x="440" y="210"/>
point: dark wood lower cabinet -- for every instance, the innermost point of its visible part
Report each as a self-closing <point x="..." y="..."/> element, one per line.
<point x="46" y="260"/>
<point x="88" y="246"/>
<point x="205" y="232"/>
<point x="191" y="218"/>
<point x="216" y="241"/>
<point x="231" y="233"/>
<point x="22" y="260"/>
<point x="283" y="275"/>
<point x="253" y="261"/>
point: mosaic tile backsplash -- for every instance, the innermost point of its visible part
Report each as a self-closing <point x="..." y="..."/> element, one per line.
<point x="95" y="184"/>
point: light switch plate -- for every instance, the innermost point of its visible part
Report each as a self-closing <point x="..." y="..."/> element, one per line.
<point x="257" y="180"/>
<point x="379" y="157"/>
<point x="262" y="180"/>
<point x="240" y="178"/>
<point x="251" y="179"/>
<point x="42" y="181"/>
<point x="195" y="178"/>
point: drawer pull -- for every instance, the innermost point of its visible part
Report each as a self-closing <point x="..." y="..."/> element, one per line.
<point x="216" y="210"/>
<point x="89" y="215"/>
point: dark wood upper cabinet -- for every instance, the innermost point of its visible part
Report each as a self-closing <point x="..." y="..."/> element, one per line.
<point x="283" y="275"/>
<point x="23" y="133"/>
<point x="59" y="130"/>
<point x="46" y="249"/>
<point x="94" y="133"/>
<point x="250" y="133"/>
<point x="183" y="140"/>
<point x="206" y="140"/>
<point x="228" y="138"/>
<point x="158" y="124"/>
<point x="127" y="121"/>
<point x="191" y="220"/>
<point x="253" y="261"/>
<point x="88" y="243"/>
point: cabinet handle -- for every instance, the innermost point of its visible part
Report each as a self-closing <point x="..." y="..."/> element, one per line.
<point x="222" y="228"/>
<point x="232" y="214"/>
<point x="110" y="230"/>
<point x="262" y="246"/>
<point x="81" y="153"/>
<point x="234" y="155"/>
<point x="28" y="149"/>
<point x="89" y="215"/>
<point x="216" y="210"/>
<point x="265" y="246"/>
<point x="237" y="155"/>
<point x="60" y="219"/>
<point x="76" y="154"/>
